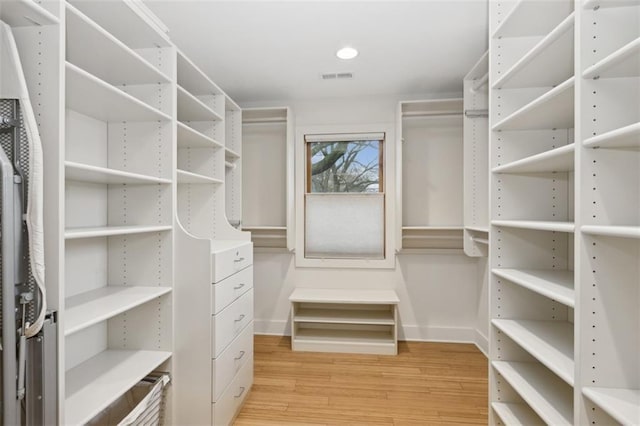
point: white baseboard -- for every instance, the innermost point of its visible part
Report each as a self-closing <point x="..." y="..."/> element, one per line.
<point x="272" y="327"/>
<point x="482" y="342"/>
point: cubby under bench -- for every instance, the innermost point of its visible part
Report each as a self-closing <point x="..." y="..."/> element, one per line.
<point x="348" y="321"/>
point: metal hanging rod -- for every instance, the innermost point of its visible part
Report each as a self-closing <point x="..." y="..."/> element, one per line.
<point x="476" y="113"/>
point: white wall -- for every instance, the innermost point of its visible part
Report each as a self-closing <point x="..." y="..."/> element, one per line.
<point x="439" y="293"/>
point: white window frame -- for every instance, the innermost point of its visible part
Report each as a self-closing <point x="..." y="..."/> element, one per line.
<point x="389" y="260"/>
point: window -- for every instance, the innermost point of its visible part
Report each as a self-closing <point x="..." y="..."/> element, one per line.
<point x="344" y="196"/>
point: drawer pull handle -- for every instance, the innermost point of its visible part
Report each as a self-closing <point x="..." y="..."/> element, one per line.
<point x="241" y="392"/>
<point x="238" y="287"/>
<point x="240" y="318"/>
<point x="239" y="357"/>
<point x="240" y="259"/>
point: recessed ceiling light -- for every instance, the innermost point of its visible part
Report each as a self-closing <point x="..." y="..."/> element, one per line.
<point x="347" y="53"/>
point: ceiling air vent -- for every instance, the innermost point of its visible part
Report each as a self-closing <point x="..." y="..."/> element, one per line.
<point x="337" y="76"/>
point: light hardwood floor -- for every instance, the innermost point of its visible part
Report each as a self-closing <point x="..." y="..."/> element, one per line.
<point x="425" y="384"/>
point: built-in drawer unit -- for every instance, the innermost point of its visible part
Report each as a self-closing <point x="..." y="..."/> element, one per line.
<point x="226" y="407"/>
<point x="229" y="257"/>
<point x="230" y="289"/>
<point x="231" y="360"/>
<point x="230" y="322"/>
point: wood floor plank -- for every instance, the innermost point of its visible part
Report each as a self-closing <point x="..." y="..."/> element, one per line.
<point x="425" y="384"/>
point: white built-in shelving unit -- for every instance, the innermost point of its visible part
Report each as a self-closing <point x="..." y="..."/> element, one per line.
<point x="565" y="211"/>
<point x="267" y="181"/>
<point x="430" y="149"/>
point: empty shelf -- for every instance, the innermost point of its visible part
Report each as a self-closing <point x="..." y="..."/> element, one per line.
<point x="513" y="414"/>
<point x="115" y="63"/>
<point x="92" y="307"/>
<point x="345" y="336"/>
<point x="231" y="154"/>
<point x="546" y="394"/>
<point x="191" y="108"/>
<point x="612" y="231"/>
<point x="533" y="18"/>
<point x="554" y="284"/>
<point x="554" y="109"/>
<point x="539" y="225"/>
<point x="96" y="383"/>
<point x="624" y="62"/>
<point x="342" y="316"/>
<point x="474" y="228"/>
<point x="253" y="228"/>
<point x="188" y="177"/>
<point x="590" y="4"/>
<point x="548" y="63"/>
<point x="435" y="107"/>
<point x="94" y="174"/>
<point x="326" y="295"/>
<point x="556" y="160"/>
<point x="109" y="231"/>
<point x="621" y="404"/>
<point x="624" y="137"/>
<point x="550" y="342"/>
<point x="193" y="79"/>
<point x="83" y="89"/>
<point x="190" y="138"/>
<point x="25" y="13"/>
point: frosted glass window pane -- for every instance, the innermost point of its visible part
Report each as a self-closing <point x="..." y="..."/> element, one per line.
<point x="344" y="226"/>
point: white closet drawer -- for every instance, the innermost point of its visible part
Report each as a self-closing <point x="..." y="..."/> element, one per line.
<point x="228" y="262"/>
<point x="229" y="289"/>
<point x="224" y="410"/>
<point x="231" y="360"/>
<point x="231" y="321"/>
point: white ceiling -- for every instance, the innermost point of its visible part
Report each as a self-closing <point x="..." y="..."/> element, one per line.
<point x="276" y="50"/>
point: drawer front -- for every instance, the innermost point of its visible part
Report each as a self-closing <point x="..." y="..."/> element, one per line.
<point x="231" y="321"/>
<point x="228" y="262"/>
<point x="231" y="288"/>
<point x="225" y="409"/>
<point x="231" y="360"/>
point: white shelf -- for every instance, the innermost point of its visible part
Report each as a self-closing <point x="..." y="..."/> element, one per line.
<point x="83" y="89"/>
<point x="590" y="4"/>
<point x="540" y="66"/>
<point x="333" y="336"/>
<point x="92" y="307"/>
<point x="191" y="108"/>
<point x="484" y="229"/>
<point x="92" y="48"/>
<point x="25" y="13"/>
<point x="513" y="414"/>
<point x="538" y="225"/>
<point x="612" y="231"/>
<point x="533" y="18"/>
<point x="621" y="404"/>
<point x="190" y="138"/>
<point x="93" y="174"/>
<point x="545" y="393"/>
<point x="96" y="383"/>
<point x="559" y="159"/>
<point x="554" y="109"/>
<point x="554" y="284"/>
<point x="229" y="165"/>
<point x="432" y="228"/>
<point x="432" y="108"/>
<point x="550" y="342"/>
<point x="624" y="62"/>
<point x="110" y="231"/>
<point x="188" y="177"/>
<point x="193" y="79"/>
<point x="252" y="228"/>
<point x="624" y="137"/>
<point x="343" y="316"/>
<point x="230" y="154"/>
<point x="322" y="295"/>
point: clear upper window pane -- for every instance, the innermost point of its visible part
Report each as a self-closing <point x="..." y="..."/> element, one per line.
<point x="348" y="166"/>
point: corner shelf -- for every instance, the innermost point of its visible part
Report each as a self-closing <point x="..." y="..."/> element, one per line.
<point x="623" y="137"/>
<point x="86" y="173"/>
<point x="532" y="18"/>
<point x="188" y="177"/>
<point x="551" y="283"/>
<point x="191" y="108"/>
<point x="110" y="231"/>
<point x="556" y="160"/>
<point x="83" y="88"/>
<point x="93" y="385"/>
<point x="92" y="307"/>
<point x="554" y="109"/>
<point x="538" y="225"/>
<point x="550" y="342"/>
<point x="621" y="404"/>
<point x="624" y="62"/>
<point x="516" y="414"/>
<point x="26" y="13"/>
<point x="540" y="388"/>
<point x="612" y="231"/>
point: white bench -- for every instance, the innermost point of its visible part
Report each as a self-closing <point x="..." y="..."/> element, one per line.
<point x="349" y="321"/>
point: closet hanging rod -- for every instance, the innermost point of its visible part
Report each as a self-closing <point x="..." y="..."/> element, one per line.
<point x="479" y="83"/>
<point x="476" y="113"/>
